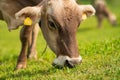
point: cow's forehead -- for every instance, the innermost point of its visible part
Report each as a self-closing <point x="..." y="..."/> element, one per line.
<point x="56" y="7"/>
<point x="65" y="12"/>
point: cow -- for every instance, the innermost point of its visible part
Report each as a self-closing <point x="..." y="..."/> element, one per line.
<point x="28" y="36"/>
<point x="102" y="12"/>
<point x="59" y="21"/>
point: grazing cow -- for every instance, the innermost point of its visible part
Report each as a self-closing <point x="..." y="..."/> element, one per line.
<point x="59" y="21"/>
<point x="102" y="12"/>
<point x="28" y="35"/>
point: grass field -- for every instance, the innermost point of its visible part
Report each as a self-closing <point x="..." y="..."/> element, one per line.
<point x="99" y="48"/>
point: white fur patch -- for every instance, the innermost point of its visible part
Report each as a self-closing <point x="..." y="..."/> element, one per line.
<point x="61" y="60"/>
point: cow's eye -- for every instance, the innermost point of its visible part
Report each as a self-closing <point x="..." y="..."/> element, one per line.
<point x="52" y="25"/>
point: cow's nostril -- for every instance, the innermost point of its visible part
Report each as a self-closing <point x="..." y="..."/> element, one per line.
<point x="69" y="64"/>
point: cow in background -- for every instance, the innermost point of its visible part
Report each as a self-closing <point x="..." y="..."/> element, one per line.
<point x="102" y="12"/>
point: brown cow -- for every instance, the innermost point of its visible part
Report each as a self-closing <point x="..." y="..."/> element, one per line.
<point x="28" y="35"/>
<point x="59" y="21"/>
<point x="102" y="12"/>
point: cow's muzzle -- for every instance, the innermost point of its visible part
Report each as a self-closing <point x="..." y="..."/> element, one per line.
<point x="62" y="61"/>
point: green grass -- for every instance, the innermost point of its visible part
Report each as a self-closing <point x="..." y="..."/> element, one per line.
<point x="99" y="48"/>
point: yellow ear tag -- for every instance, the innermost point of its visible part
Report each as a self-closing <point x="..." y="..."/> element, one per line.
<point x="84" y="16"/>
<point x="28" y="21"/>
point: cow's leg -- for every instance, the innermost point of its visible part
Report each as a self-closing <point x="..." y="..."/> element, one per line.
<point x="32" y="53"/>
<point x="1" y="17"/>
<point x="24" y="37"/>
<point x="100" y="19"/>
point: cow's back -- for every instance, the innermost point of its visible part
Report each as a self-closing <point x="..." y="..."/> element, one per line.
<point x="8" y="8"/>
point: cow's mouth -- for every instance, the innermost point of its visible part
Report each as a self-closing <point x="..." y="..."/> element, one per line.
<point x="63" y="61"/>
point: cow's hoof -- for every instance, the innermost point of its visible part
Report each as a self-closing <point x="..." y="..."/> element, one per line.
<point x="20" y="66"/>
<point x="32" y="55"/>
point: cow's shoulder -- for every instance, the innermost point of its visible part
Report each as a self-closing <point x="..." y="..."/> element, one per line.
<point x="8" y="8"/>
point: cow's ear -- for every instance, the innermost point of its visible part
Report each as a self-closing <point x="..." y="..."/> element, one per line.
<point x="34" y="13"/>
<point x="87" y="10"/>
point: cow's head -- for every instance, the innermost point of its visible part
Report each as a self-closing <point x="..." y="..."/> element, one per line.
<point x="59" y="21"/>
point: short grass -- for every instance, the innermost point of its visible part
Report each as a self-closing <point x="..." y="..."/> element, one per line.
<point x="99" y="48"/>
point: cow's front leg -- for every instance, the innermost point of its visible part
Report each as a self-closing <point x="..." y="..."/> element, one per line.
<point x="24" y="37"/>
<point x="32" y="52"/>
<point x="100" y="19"/>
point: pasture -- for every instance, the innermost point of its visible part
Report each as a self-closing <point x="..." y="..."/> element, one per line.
<point x="99" y="48"/>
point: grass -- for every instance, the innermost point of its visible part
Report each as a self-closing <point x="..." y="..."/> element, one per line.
<point x="99" y="48"/>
